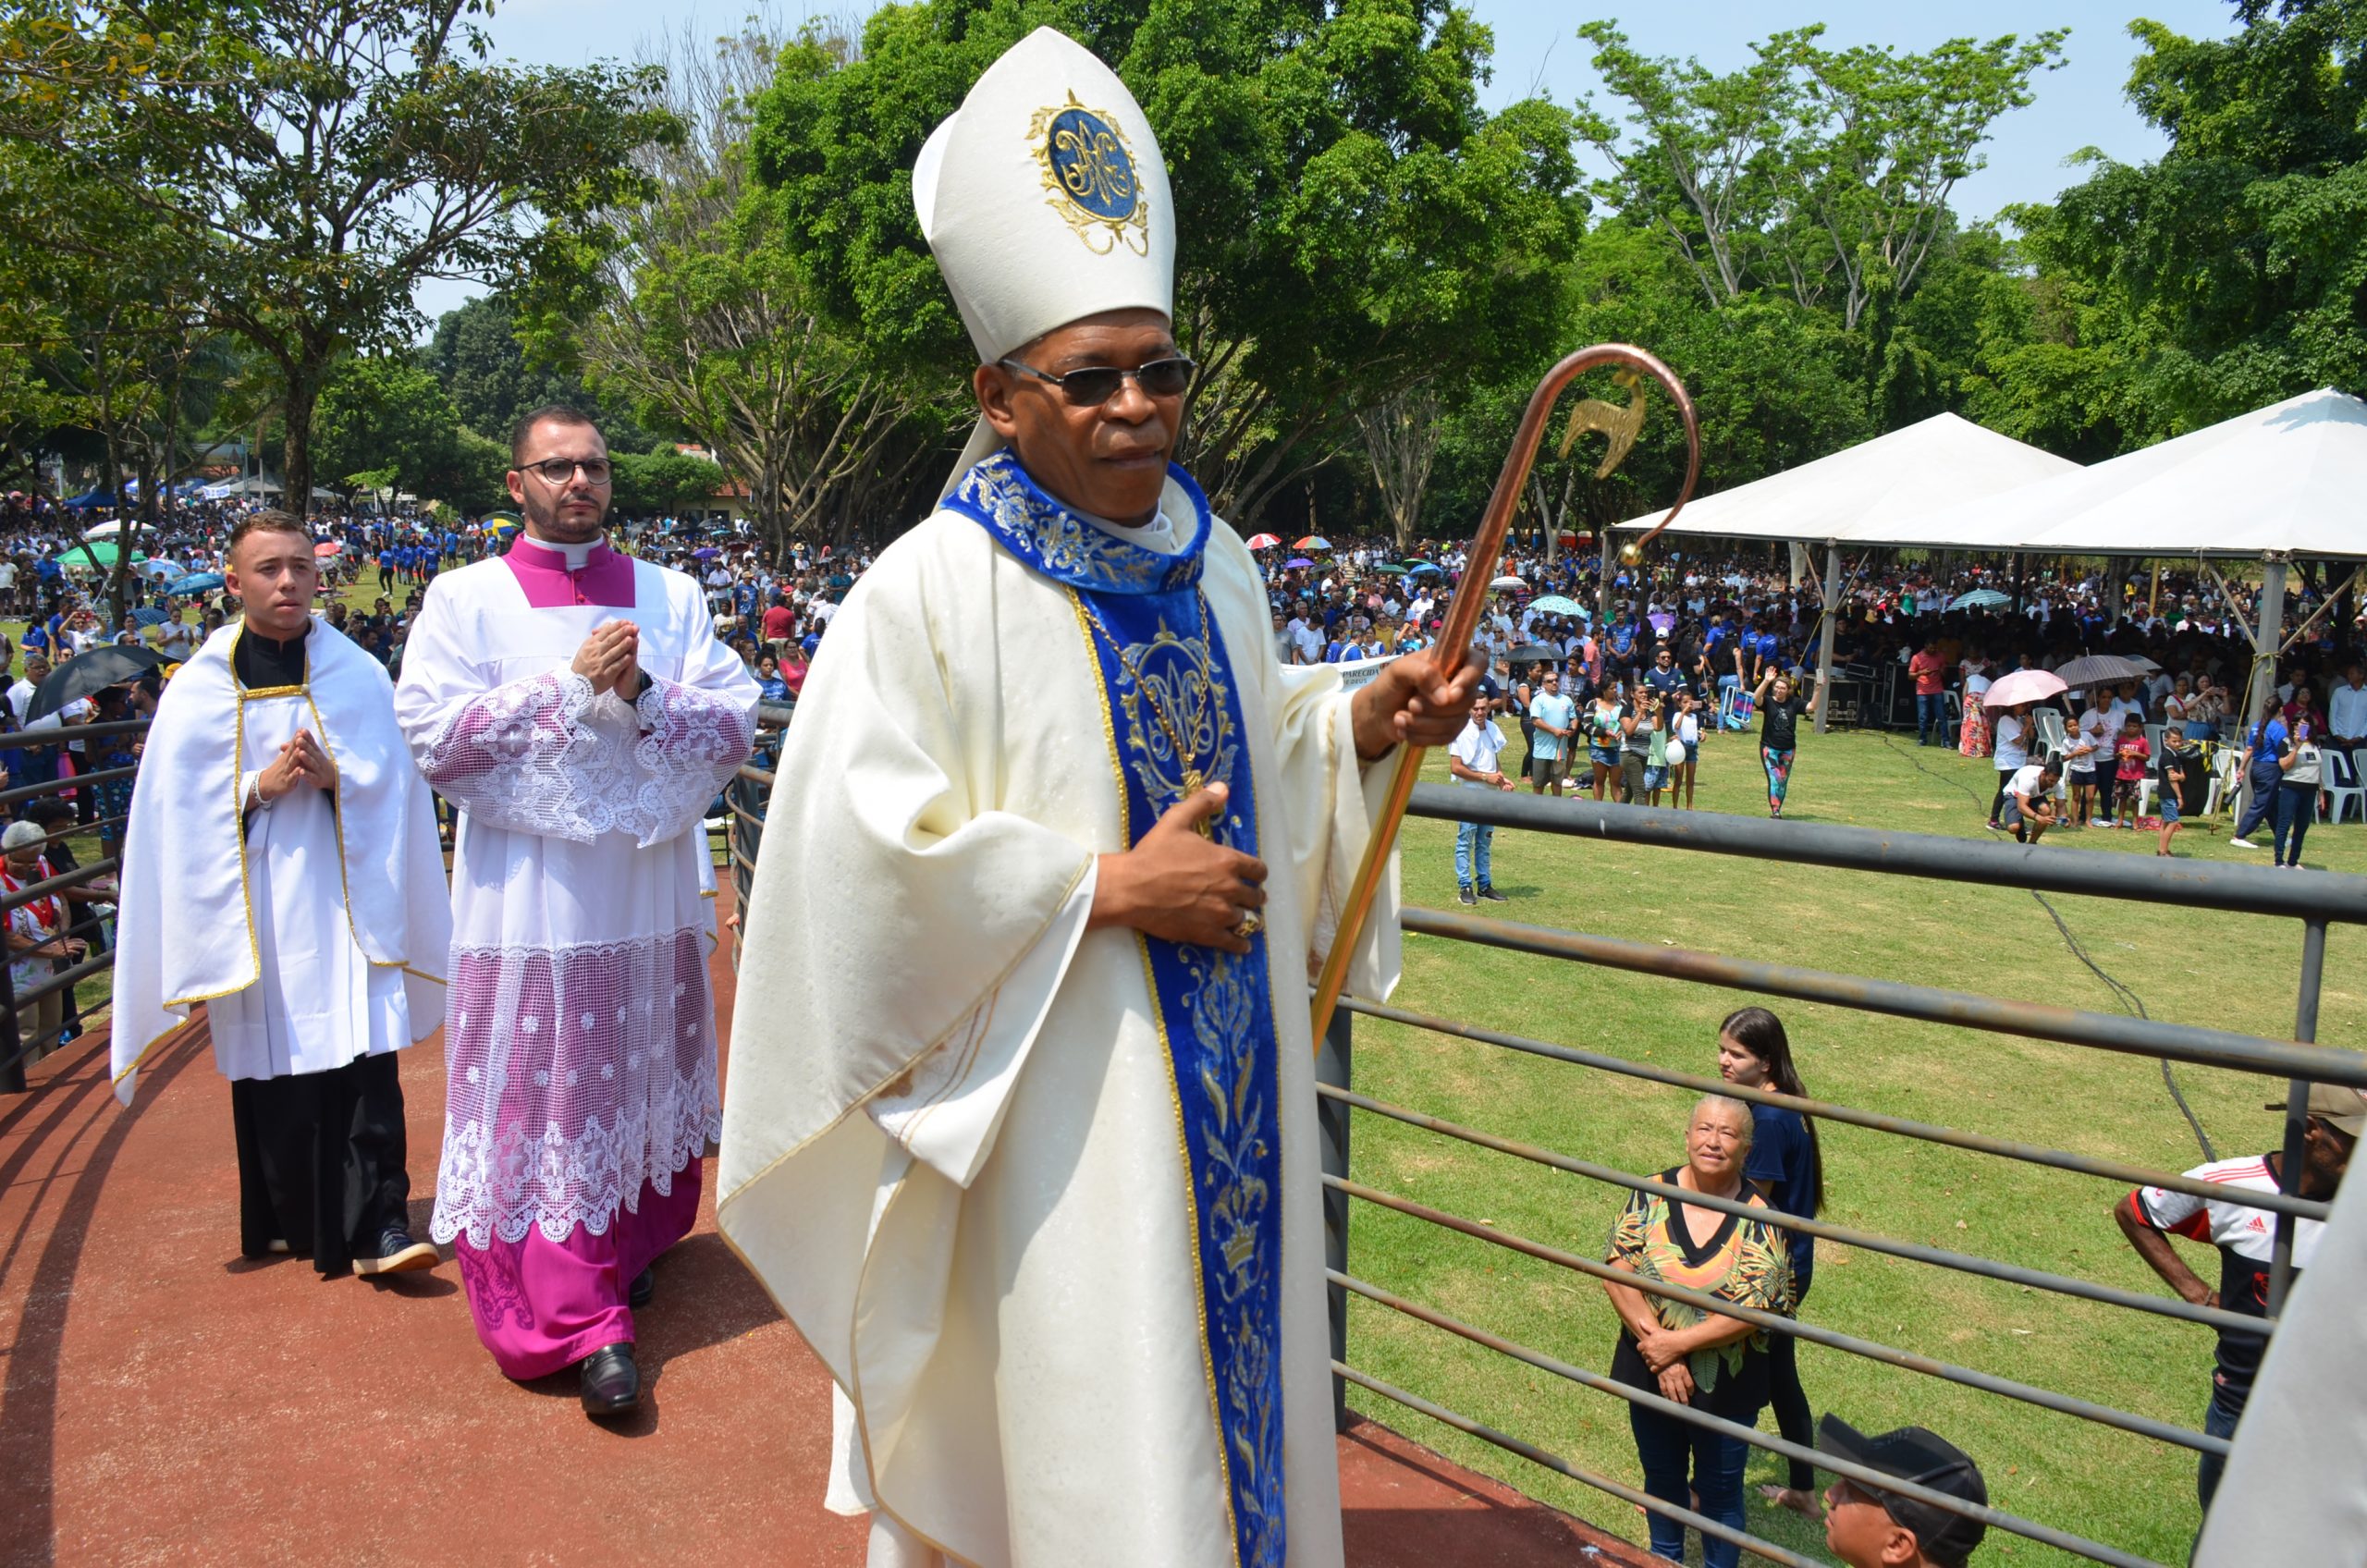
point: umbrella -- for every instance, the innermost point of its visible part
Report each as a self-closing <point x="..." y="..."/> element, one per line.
<point x="1554" y="604"/>
<point x="2097" y="670"/>
<point x="2141" y="662"/>
<point x="1425" y="569"/>
<point x="328" y="548"/>
<point x="1508" y="582"/>
<point x="1263" y="541"/>
<point x="1662" y="621"/>
<point x="106" y="530"/>
<point x="196" y="582"/>
<point x="149" y="614"/>
<point x="1313" y="542"/>
<point x="1980" y="599"/>
<point x="1390" y="571"/>
<point x="708" y="554"/>
<point x="1298" y="560"/>
<point x="163" y="570"/>
<point x="87" y="674"/>
<point x="96" y="555"/>
<point x="2021" y="686"/>
<point x="1534" y="653"/>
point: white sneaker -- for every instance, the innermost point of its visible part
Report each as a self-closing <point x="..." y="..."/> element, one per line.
<point x="2243" y="844"/>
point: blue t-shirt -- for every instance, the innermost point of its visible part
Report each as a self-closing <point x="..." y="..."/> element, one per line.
<point x="1556" y="709"/>
<point x="1782" y="1156"/>
<point x="2267" y="745"/>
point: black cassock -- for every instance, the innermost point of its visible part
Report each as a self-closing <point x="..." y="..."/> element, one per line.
<point x="322" y="1156"/>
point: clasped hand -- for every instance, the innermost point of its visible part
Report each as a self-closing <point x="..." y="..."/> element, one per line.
<point x="611" y="659"/>
<point x="1178" y="884"/>
<point x="300" y="761"/>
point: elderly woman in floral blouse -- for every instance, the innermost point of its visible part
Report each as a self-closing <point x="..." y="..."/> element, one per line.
<point x="1685" y="1354"/>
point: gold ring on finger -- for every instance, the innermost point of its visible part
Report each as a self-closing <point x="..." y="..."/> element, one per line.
<point x="1251" y="924"/>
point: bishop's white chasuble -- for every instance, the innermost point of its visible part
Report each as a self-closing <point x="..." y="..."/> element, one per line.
<point x="1045" y="1201"/>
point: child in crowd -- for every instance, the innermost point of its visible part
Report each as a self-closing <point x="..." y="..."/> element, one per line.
<point x="2132" y="755"/>
<point x="2180" y="764"/>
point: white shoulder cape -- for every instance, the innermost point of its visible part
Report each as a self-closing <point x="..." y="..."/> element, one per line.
<point x="186" y="931"/>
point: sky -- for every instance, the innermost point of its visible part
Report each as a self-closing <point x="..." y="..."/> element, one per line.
<point x="2083" y="105"/>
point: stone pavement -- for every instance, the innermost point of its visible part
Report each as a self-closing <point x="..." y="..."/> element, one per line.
<point x="167" y="1401"/>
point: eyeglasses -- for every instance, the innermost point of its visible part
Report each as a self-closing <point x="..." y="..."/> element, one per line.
<point x="1096" y="385"/>
<point x="559" y="470"/>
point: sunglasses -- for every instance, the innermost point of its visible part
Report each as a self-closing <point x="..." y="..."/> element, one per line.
<point x="1096" y="385"/>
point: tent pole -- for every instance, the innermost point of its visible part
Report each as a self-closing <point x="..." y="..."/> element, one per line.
<point x="2266" y="646"/>
<point x="1831" y="597"/>
<point x="1603" y="582"/>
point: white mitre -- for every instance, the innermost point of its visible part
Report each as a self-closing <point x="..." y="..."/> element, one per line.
<point x="1044" y="199"/>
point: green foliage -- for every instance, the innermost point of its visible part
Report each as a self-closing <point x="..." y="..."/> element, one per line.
<point x="665" y="480"/>
<point x="1350" y="220"/>
<point x="385" y="423"/>
<point x="2233" y="271"/>
<point x="313" y="160"/>
<point x="476" y="354"/>
<point x="1821" y="173"/>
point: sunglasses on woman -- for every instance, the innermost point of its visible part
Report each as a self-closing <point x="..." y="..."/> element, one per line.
<point x="1096" y="385"/>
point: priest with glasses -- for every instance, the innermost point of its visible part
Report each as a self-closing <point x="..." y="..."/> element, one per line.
<point x="1022" y="1130"/>
<point x="576" y="706"/>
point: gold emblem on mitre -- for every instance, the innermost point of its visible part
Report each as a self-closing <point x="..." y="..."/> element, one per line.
<point x="1089" y="169"/>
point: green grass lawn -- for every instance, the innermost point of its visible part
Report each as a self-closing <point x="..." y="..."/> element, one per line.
<point x="2228" y="971"/>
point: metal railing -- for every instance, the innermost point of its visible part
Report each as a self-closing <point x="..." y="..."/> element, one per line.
<point x="18" y="1049"/>
<point x="2316" y="901"/>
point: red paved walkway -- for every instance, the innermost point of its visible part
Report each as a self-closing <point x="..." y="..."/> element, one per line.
<point x="169" y="1401"/>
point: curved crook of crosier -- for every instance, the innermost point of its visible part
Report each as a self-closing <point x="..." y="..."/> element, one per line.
<point x="1462" y="615"/>
<point x="1462" y="619"/>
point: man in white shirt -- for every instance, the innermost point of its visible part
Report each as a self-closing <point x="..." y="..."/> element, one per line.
<point x="2030" y="803"/>
<point x="1472" y="760"/>
<point x="2347" y="714"/>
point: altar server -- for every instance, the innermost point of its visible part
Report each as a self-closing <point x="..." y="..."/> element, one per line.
<point x="281" y="866"/>
<point x="575" y="704"/>
<point x="1022" y="1126"/>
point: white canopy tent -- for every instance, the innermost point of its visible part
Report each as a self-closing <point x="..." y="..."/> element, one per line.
<point x="2289" y="478"/>
<point x="1861" y="491"/>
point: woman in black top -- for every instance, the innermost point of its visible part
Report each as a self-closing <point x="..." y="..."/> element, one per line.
<point x="1779" y="735"/>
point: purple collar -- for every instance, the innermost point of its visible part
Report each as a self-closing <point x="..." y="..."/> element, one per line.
<point x="606" y="578"/>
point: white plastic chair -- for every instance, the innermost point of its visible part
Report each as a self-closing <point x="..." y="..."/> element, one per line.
<point x="2227" y="787"/>
<point x="2344" y="785"/>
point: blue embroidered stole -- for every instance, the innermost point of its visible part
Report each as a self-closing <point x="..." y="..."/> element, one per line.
<point x="1175" y="713"/>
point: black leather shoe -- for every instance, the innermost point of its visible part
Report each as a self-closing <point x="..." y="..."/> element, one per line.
<point x="644" y="1286"/>
<point x="1492" y="896"/>
<point x="611" y="1382"/>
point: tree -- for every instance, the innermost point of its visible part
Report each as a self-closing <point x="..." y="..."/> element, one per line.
<point x="386" y="424"/>
<point x="476" y="354"/>
<point x="2232" y="272"/>
<point x="1401" y="436"/>
<point x="665" y="480"/>
<point x="1820" y="172"/>
<point x="319" y="158"/>
<point x="704" y="320"/>
<point x="1351" y="220"/>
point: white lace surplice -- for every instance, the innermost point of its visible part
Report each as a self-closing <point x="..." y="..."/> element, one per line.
<point x="580" y="1034"/>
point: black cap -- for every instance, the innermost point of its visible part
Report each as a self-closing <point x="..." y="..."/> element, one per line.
<point x="1913" y="1453"/>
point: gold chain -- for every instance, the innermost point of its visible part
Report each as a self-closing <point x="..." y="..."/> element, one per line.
<point x="1194" y="780"/>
